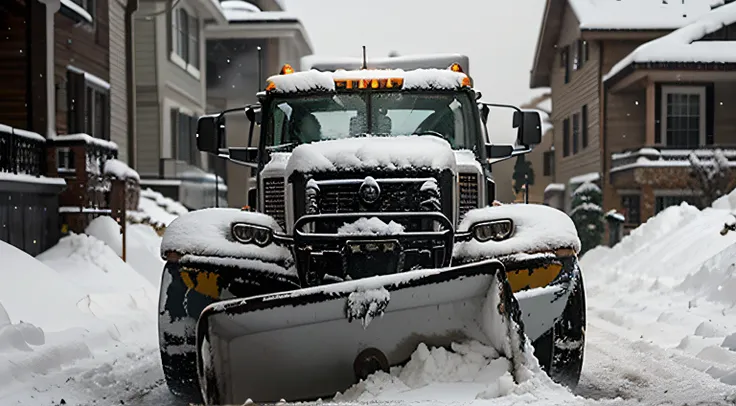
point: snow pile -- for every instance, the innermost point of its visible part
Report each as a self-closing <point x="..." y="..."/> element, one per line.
<point x="401" y="152"/>
<point x="672" y="283"/>
<point x="537" y="228"/>
<point x="72" y="303"/>
<point x="207" y="232"/>
<point x="168" y="204"/>
<point x="156" y="210"/>
<point x="683" y="45"/>
<point x="370" y="226"/>
<point x="120" y="170"/>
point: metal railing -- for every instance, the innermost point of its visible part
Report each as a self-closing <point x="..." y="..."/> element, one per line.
<point x="22" y="152"/>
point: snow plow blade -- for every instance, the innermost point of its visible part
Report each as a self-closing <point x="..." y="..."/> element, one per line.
<point x="314" y="342"/>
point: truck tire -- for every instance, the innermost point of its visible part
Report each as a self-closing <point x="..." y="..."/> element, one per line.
<point x="560" y="350"/>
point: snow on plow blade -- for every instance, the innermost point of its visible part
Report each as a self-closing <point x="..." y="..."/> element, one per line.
<point x="314" y="342"/>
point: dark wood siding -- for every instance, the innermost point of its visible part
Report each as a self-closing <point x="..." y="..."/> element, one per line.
<point x="14" y="62"/>
<point x="83" y="46"/>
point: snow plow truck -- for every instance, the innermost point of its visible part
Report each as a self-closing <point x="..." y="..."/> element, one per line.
<point x="374" y="228"/>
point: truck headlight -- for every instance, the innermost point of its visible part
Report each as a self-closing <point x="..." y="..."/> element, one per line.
<point x="249" y="233"/>
<point x="496" y="230"/>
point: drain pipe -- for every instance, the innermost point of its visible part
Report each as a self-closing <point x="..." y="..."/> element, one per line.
<point x="130" y="9"/>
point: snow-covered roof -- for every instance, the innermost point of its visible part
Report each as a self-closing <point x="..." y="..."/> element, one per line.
<point x="587" y="177"/>
<point x="639" y="14"/>
<point x="314" y="80"/>
<point x="238" y="10"/>
<point x="683" y="45"/>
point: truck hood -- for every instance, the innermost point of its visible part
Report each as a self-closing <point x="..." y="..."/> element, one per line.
<point x="388" y="153"/>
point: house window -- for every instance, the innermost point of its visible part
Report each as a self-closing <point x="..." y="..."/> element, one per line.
<point x="585" y="52"/>
<point x="549" y="163"/>
<point x="665" y="201"/>
<point x="576" y="55"/>
<point x="185" y="39"/>
<point x="584" y="129"/>
<point x="64" y="160"/>
<point x="566" y="137"/>
<point x="575" y="132"/>
<point x="88" y="102"/>
<point x="565" y="62"/>
<point x="183" y="129"/>
<point x="631" y="207"/>
<point x="683" y="113"/>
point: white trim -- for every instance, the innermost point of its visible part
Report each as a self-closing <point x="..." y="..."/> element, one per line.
<point x="667" y="90"/>
<point x="79" y="10"/>
<point x="193" y="71"/>
<point x="177" y="60"/>
<point x="95" y="80"/>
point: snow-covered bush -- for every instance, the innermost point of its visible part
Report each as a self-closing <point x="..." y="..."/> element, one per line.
<point x="587" y="215"/>
<point x="712" y="177"/>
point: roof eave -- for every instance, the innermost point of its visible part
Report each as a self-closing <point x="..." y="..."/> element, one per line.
<point x="669" y="65"/>
<point x="214" y="12"/>
<point x="263" y="29"/>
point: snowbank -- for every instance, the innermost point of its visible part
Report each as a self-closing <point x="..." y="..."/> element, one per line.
<point x="671" y="282"/>
<point x="375" y="152"/>
<point x="537" y="228"/>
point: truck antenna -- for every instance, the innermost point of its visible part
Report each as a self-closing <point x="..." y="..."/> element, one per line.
<point x="260" y="66"/>
<point x="365" y="62"/>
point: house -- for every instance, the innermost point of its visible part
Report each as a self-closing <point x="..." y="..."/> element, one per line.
<point x="60" y="118"/>
<point x="170" y="82"/>
<point x="258" y="39"/>
<point x="637" y="85"/>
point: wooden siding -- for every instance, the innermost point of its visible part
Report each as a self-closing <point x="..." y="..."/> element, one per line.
<point x="148" y="116"/>
<point x="14" y="61"/>
<point x="83" y="46"/>
<point x="569" y="98"/>
<point x="118" y="82"/>
<point x="725" y="113"/>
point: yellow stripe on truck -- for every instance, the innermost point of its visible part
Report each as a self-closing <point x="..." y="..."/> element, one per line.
<point x="206" y="282"/>
<point x="533" y="278"/>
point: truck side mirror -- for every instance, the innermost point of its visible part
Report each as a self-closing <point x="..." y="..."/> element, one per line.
<point x="532" y="130"/>
<point x="208" y="134"/>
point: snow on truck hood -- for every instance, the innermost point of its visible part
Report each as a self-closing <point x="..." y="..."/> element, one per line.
<point x="391" y="153"/>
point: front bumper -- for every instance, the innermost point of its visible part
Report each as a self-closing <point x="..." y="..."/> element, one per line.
<point x="354" y="256"/>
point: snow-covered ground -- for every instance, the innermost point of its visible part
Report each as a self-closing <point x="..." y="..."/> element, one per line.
<point x="77" y="323"/>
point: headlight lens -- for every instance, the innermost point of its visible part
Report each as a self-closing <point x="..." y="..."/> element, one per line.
<point x="248" y="233"/>
<point x="497" y="230"/>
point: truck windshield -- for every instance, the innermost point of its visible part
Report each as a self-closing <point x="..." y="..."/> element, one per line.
<point x="303" y="120"/>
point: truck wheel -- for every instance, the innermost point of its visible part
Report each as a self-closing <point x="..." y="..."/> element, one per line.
<point x="177" y="339"/>
<point x="560" y="350"/>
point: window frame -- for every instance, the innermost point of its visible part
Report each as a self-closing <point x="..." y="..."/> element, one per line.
<point x="177" y="116"/>
<point x="83" y="92"/>
<point x="548" y="163"/>
<point x="584" y="126"/>
<point x="625" y="208"/>
<point x="565" y="62"/>
<point x="683" y="90"/>
<point x="566" y="137"/>
<point x="184" y="34"/>
<point x="575" y="132"/>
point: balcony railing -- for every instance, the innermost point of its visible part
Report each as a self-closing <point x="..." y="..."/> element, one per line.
<point x="22" y="152"/>
<point x="667" y="157"/>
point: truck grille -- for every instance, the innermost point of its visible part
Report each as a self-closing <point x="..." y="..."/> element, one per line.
<point x="273" y="199"/>
<point x="395" y="196"/>
<point x="468" y="192"/>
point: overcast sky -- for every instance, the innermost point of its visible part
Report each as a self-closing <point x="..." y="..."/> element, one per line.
<point x="498" y="36"/>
